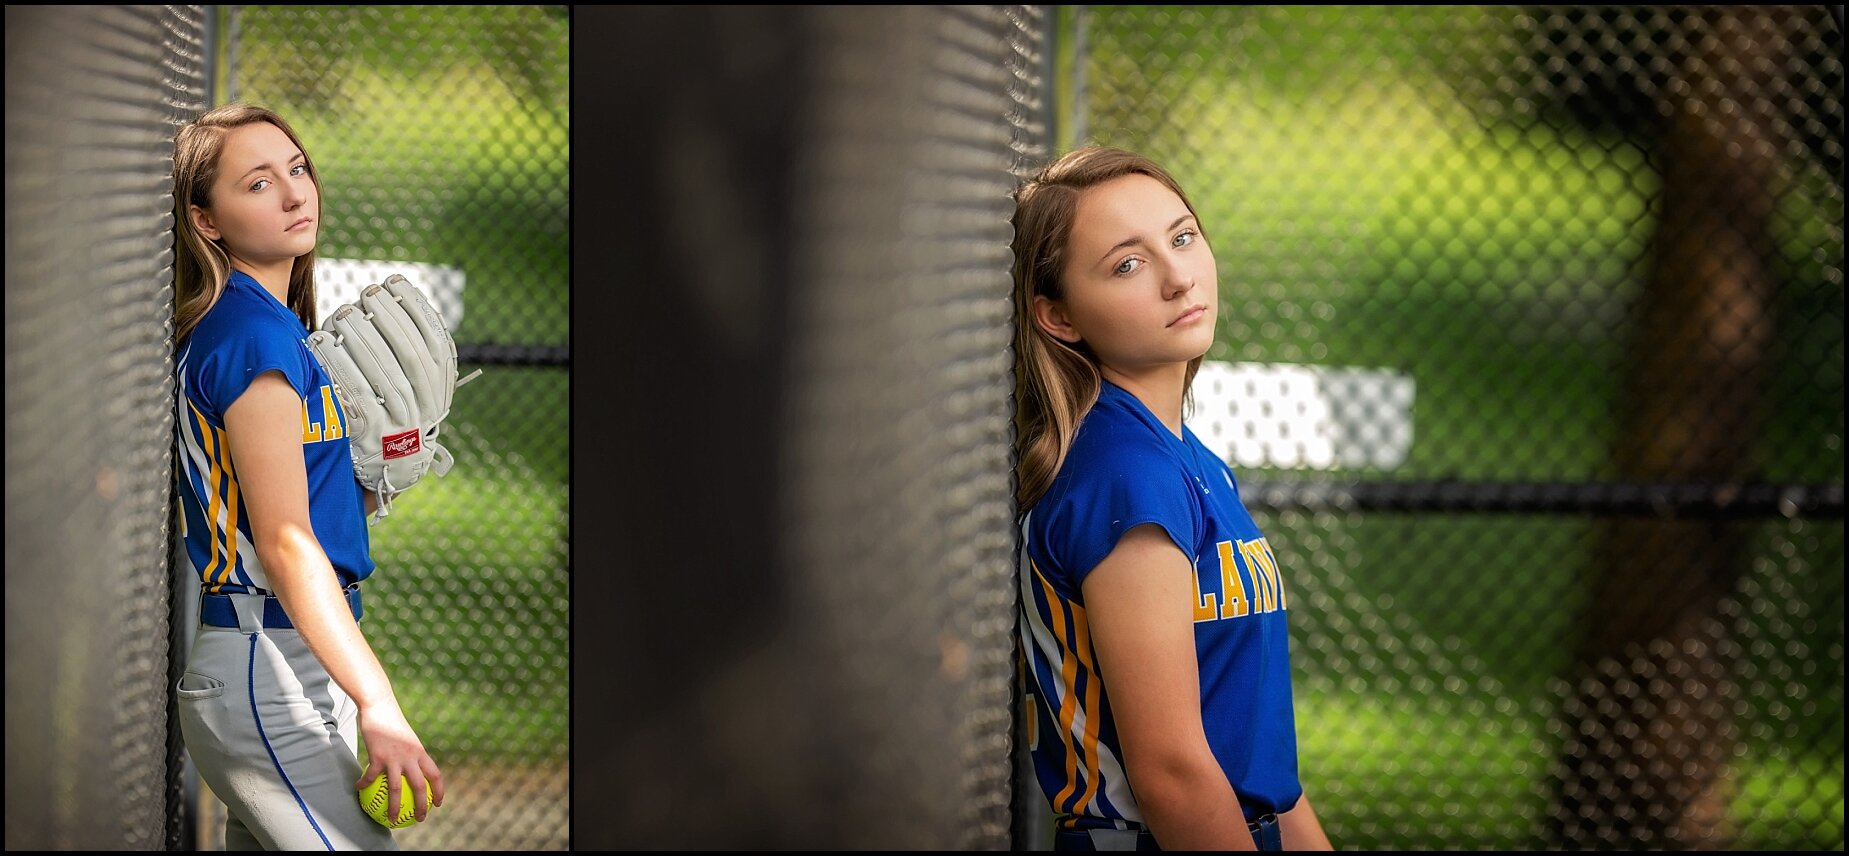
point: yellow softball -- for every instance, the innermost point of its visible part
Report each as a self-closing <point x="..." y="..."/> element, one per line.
<point x="375" y="799"/>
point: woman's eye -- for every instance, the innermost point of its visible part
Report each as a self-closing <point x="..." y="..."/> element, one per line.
<point x="1185" y="238"/>
<point x="1128" y="265"/>
<point x="299" y="169"/>
<point x="260" y="184"/>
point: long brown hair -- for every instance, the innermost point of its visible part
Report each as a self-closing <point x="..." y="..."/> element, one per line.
<point x="201" y="266"/>
<point x="1057" y="383"/>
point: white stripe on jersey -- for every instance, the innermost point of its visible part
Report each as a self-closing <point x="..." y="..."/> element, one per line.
<point x="1115" y="783"/>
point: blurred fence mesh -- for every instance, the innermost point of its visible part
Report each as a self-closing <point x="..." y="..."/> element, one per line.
<point x="441" y="136"/>
<point x="818" y="567"/>
<point x="898" y="457"/>
<point x="1600" y="602"/>
<point x="93" y="96"/>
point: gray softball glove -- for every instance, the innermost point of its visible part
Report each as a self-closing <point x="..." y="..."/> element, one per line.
<point x="393" y="365"/>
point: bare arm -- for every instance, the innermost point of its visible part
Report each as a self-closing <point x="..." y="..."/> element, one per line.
<point x="1300" y="830"/>
<point x="1140" y="603"/>
<point x="263" y="427"/>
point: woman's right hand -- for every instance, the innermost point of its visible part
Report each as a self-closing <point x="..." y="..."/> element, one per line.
<point x="392" y="749"/>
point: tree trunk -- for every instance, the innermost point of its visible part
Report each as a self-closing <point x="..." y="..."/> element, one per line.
<point x="1651" y="708"/>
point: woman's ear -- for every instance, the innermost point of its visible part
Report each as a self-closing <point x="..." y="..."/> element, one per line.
<point x="202" y="222"/>
<point x="1052" y="318"/>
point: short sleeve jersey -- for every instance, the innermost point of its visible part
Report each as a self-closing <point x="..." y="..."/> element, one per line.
<point x="1126" y="469"/>
<point x="246" y="333"/>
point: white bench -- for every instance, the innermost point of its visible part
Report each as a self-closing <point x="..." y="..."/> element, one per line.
<point x="339" y="281"/>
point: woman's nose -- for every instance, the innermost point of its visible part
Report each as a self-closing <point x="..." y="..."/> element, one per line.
<point x="1180" y="281"/>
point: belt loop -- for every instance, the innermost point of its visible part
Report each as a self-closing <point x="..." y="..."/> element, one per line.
<point x="250" y="612"/>
<point x="1266" y="834"/>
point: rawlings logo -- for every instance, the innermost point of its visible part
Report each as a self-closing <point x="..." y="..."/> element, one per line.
<point x="400" y="445"/>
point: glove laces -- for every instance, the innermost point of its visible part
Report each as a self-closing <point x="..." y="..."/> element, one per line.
<point x="385" y="497"/>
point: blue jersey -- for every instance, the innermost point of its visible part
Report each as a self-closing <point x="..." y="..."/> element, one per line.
<point x="246" y="333"/>
<point x="1126" y="469"/>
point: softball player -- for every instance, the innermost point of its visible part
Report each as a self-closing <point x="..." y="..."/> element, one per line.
<point x="279" y="683"/>
<point x="1139" y="560"/>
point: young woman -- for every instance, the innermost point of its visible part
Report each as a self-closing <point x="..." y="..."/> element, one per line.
<point x="1153" y="610"/>
<point x="280" y="682"/>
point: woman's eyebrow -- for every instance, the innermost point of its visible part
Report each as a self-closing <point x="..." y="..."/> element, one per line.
<point x="263" y="166"/>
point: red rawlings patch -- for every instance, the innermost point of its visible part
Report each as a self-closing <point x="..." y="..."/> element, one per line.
<point x="400" y="445"/>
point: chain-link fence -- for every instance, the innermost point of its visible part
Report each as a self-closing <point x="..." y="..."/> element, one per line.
<point x="1599" y="602"/>
<point x="441" y="136"/>
<point x="93" y="94"/>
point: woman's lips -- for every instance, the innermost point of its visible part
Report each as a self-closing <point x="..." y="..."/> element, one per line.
<point x="1194" y="313"/>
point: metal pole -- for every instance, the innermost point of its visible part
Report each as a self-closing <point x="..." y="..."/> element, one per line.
<point x="1077" y="136"/>
<point x="231" y="55"/>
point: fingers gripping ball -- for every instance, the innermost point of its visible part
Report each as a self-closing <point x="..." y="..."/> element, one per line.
<point x="376" y="799"/>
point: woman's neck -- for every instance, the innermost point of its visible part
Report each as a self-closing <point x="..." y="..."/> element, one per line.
<point x="1159" y="387"/>
<point x="273" y="277"/>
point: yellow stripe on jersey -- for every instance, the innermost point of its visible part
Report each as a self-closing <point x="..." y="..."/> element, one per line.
<point x="1069" y="678"/>
<point x="1079" y="657"/>
<point x="206" y="436"/>
<point x="231" y="507"/>
<point x="1092" y="714"/>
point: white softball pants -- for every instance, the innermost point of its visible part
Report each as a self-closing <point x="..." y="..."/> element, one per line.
<point x="276" y="739"/>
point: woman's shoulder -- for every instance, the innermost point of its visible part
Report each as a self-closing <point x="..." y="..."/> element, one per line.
<point x="1117" y="474"/>
<point x="1112" y="450"/>
<point x="242" y="313"/>
<point x="242" y="334"/>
